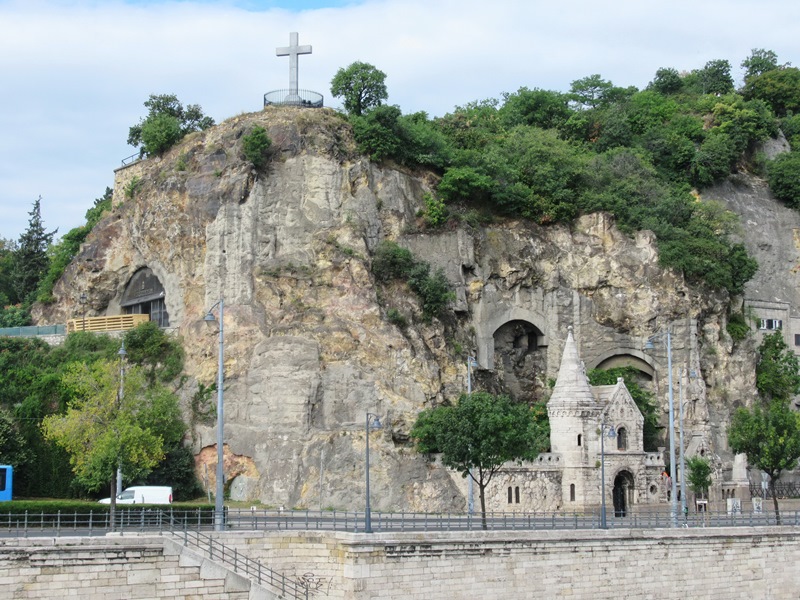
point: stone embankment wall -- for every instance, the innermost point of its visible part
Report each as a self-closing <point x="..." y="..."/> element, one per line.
<point x="115" y="568"/>
<point x="732" y="563"/>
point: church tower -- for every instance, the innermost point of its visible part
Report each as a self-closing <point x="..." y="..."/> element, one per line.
<point x="574" y="414"/>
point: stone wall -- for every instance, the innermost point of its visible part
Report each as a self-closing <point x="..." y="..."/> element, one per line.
<point x="115" y="568"/>
<point x="735" y="563"/>
<point x="698" y="563"/>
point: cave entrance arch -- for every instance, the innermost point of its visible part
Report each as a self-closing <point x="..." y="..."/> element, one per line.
<point x="520" y="359"/>
<point x="623" y="493"/>
<point x="144" y="295"/>
<point x="626" y="357"/>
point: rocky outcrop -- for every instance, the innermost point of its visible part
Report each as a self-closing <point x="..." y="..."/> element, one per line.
<point x="309" y="349"/>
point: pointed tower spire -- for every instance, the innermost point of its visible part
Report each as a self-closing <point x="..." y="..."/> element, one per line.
<point x="572" y="388"/>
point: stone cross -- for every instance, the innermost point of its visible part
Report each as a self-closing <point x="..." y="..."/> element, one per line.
<point x="292" y="51"/>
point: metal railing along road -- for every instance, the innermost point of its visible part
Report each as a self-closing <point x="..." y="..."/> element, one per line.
<point x="33" y="330"/>
<point x="36" y="524"/>
<point x="251" y="569"/>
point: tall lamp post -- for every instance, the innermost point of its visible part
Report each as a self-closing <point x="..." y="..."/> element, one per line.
<point x="684" y="510"/>
<point x="83" y="306"/>
<point x="121" y="394"/>
<point x="611" y="434"/>
<point x="218" y="507"/>
<point x="674" y="488"/>
<point x="471" y="363"/>
<point x="373" y="422"/>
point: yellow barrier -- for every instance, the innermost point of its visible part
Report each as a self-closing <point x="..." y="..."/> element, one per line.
<point x="98" y="324"/>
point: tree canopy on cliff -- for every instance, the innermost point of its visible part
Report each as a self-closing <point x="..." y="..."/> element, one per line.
<point x="640" y="155"/>
<point x="362" y="86"/>
<point x="166" y="123"/>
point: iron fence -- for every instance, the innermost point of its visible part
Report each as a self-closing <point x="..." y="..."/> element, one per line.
<point x="33" y="330"/>
<point x="782" y="490"/>
<point x="177" y="521"/>
<point x="304" y="98"/>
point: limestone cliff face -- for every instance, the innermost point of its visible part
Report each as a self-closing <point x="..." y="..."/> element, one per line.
<point x="308" y="346"/>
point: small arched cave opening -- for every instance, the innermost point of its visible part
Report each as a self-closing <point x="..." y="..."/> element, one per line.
<point x="622" y="360"/>
<point x="144" y="295"/>
<point x="520" y="361"/>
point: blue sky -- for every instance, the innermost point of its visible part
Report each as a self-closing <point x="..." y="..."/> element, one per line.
<point x="75" y="73"/>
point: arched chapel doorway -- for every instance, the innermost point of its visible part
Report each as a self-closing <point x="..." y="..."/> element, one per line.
<point x="144" y="295"/>
<point x="623" y="493"/>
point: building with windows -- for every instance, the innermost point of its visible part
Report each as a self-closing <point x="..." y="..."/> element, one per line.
<point x="588" y="424"/>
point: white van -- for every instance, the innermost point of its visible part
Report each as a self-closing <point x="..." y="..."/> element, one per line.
<point x="143" y="494"/>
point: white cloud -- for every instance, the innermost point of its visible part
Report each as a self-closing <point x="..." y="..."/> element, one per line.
<point x="74" y="74"/>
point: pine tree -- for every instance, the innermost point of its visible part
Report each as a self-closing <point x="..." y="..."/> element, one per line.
<point x="30" y="258"/>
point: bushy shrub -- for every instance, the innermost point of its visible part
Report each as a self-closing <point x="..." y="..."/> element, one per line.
<point x="436" y="212"/>
<point x="256" y="145"/>
<point x="394" y="262"/>
<point x="397" y="318"/>
<point x="783" y="175"/>
<point x="737" y="327"/>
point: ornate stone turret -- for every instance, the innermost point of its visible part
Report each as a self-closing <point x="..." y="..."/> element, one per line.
<point x="573" y="413"/>
<point x="572" y="404"/>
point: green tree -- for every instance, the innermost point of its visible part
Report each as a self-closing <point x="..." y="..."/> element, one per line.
<point x="538" y="108"/>
<point x="105" y="427"/>
<point x="759" y="62"/>
<point x="780" y="88"/>
<point x="590" y="91"/>
<point x="770" y="436"/>
<point x="14" y="449"/>
<point x="30" y="261"/>
<point x="481" y="433"/>
<point x="255" y="146"/>
<point x="62" y="252"/>
<point x="361" y="85"/>
<point x="777" y="369"/>
<point x="151" y="348"/>
<point x="167" y="122"/>
<point x="699" y="476"/>
<point x="783" y="176"/>
<point x="666" y="81"/>
<point x="715" y="77"/>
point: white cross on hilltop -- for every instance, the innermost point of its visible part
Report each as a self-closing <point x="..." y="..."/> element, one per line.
<point x="293" y="51"/>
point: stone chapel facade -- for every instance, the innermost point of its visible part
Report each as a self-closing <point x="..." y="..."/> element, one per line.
<point x="568" y="478"/>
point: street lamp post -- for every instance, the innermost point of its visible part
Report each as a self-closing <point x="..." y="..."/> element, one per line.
<point x="471" y="362"/>
<point x="218" y="495"/>
<point x="611" y="434"/>
<point x="373" y="422"/>
<point x="684" y="509"/>
<point x="674" y="487"/>
<point x="121" y="394"/>
<point x="83" y="306"/>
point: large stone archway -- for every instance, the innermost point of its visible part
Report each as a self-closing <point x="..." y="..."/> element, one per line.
<point x="485" y="331"/>
<point x="144" y="295"/>
<point x="513" y="344"/>
<point x="520" y="363"/>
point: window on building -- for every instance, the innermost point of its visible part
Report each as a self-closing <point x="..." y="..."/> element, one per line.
<point x="572" y="492"/>
<point x="580" y="439"/>
<point x="622" y="439"/>
<point x="510" y="494"/>
<point x="516" y="494"/>
<point x="797" y="339"/>
<point x="770" y="324"/>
